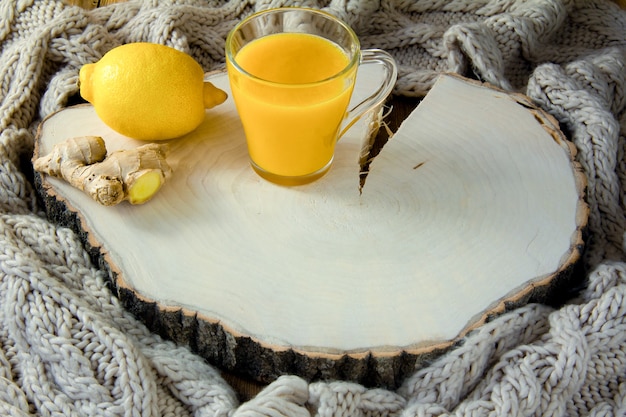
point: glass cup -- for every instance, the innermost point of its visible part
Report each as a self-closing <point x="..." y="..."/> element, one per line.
<point x="292" y="72"/>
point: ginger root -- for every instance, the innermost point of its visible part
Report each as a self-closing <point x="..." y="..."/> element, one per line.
<point x="131" y="174"/>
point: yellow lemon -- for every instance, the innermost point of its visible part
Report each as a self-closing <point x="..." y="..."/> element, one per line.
<point x="148" y="91"/>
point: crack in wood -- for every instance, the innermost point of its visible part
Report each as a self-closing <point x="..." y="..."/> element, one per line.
<point x="375" y="143"/>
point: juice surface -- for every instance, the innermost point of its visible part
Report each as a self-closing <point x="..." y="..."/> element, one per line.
<point x="292" y="110"/>
<point x="292" y="58"/>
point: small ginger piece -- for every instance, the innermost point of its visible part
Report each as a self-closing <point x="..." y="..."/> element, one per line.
<point x="130" y="174"/>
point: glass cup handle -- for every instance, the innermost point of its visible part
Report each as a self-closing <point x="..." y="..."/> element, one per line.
<point x="378" y="97"/>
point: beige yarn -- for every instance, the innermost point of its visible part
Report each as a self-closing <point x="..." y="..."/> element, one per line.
<point x="68" y="348"/>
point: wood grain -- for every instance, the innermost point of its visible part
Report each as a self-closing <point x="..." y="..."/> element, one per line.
<point x="474" y="206"/>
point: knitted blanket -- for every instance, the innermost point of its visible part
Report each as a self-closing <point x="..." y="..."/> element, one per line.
<point x="68" y="348"/>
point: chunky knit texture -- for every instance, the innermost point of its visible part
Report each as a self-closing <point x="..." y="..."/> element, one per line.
<point x="67" y="347"/>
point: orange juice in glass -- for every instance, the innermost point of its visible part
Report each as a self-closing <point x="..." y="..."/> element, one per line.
<point x="292" y="72"/>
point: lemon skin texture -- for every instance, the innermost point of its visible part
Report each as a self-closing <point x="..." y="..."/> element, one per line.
<point x="148" y="91"/>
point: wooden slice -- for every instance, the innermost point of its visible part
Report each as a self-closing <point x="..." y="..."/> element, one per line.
<point x="474" y="206"/>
